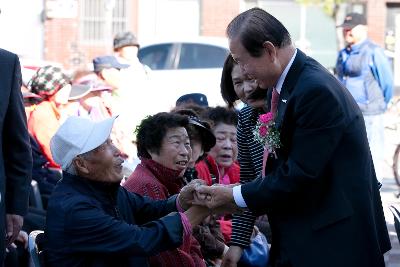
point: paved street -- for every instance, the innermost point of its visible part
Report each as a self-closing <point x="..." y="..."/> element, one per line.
<point x="388" y="192"/>
<point x="392" y="258"/>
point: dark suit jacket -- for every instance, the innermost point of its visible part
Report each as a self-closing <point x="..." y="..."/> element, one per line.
<point x="321" y="193"/>
<point x="15" y="151"/>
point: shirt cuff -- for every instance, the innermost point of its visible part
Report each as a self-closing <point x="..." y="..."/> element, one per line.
<point x="237" y="196"/>
<point x="178" y="205"/>
<point x="187" y="227"/>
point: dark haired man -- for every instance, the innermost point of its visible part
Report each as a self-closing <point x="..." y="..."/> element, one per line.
<point x="320" y="189"/>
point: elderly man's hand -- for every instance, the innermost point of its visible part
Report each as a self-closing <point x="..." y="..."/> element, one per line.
<point x="186" y="195"/>
<point x="218" y="198"/>
<point x="13" y="226"/>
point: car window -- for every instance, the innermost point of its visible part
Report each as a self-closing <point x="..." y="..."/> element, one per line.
<point x="195" y="56"/>
<point x="155" y="56"/>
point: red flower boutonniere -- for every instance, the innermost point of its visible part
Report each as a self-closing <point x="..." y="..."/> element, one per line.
<point x="266" y="132"/>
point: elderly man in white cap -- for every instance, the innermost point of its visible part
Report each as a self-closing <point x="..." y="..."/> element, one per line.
<point x="92" y="220"/>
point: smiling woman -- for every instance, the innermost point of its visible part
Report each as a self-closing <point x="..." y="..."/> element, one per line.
<point x="164" y="150"/>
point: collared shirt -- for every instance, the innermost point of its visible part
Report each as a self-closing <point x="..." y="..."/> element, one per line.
<point x="237" y="190"/>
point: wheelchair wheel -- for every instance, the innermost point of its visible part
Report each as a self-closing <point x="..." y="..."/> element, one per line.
<point x="396" y="165"/>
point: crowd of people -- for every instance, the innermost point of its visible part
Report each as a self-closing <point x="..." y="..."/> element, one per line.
<point x="192" y="186"/>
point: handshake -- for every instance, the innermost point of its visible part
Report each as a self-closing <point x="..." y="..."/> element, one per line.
<point x="217" y="199"/>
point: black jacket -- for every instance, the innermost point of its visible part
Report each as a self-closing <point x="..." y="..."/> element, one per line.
<point x="96" y="224"/>
<point x="321" y="193"/>
<point x="15" y="150"/>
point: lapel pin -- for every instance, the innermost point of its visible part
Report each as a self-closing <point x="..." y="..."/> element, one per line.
<point x="284" y="100"/>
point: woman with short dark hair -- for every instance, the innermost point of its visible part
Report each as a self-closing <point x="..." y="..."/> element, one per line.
<point x="163" y="147"/>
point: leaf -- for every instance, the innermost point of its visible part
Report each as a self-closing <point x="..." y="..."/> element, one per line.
<point x="330" y="7"/>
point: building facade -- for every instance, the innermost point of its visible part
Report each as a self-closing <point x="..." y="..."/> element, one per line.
<point x="73" y="32"/>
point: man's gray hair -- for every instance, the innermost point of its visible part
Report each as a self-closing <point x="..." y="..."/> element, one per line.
<point x="71" y="167"/>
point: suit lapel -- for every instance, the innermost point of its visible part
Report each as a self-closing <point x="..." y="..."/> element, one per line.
<point x="288" y="86"/>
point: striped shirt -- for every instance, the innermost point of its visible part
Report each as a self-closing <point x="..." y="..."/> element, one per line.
<point x="250" y="161"/>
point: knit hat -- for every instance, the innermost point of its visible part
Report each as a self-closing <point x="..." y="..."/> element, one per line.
<point x="47" y="81"/>
<point x="125" y="39"/>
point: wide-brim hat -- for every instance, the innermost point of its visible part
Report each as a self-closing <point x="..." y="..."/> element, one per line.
<point x="86" y="84"/>
<point x="30" y="95"/>
<point x="78" y="91"/>
<point x="78" y="135"/>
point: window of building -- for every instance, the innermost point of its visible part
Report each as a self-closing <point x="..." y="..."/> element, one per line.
<point x="102" y="19"/>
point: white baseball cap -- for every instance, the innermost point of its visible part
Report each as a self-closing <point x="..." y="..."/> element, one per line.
<point x="76" y="136"/>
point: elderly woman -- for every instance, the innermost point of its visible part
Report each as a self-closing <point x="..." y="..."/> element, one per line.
<point x="164" y="150"/>
<point x="208" y="233"/>
<point x="220" y="165"/>
<point x="54" y="86"/>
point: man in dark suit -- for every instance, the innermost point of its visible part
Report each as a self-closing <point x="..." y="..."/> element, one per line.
<point x="320" y="189"/>
<point x="15" y="152"/>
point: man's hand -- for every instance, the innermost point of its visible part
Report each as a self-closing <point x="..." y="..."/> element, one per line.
<point x="232" y="257"/>
<point x="13" y="226"/>
<point x="23" y="238"/>
<point x="186" y="195"/>
<point x="218" y="198"/>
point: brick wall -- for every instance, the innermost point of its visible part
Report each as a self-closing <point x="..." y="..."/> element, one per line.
<point x="60" y="37"/>
<point x="62" y="44"/>
<point x="215" y="16"/>
<point x="376" y="18"/>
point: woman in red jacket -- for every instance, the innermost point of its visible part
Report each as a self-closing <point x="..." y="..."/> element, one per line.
<point x="163" y="147"/>
<point x="220" y="166"/>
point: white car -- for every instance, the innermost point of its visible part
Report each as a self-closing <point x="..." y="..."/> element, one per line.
<point x="182" y="67"/>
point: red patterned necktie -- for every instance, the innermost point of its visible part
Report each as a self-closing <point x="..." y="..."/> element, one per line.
<point x="274" y="107"/>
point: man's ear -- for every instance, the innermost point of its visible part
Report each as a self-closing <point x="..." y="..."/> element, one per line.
<point x="80" y="165"/>
<point x="270" y="49"/>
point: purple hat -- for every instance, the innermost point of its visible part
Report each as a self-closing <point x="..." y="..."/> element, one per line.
<point x="87" y="84"/>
